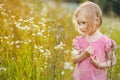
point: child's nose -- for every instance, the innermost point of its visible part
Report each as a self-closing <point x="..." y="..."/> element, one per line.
<point x="81" y="26"/>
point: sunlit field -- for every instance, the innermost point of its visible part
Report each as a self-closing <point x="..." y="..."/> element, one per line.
<point x="36" y="40"/>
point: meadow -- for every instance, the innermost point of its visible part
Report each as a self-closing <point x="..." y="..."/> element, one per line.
<point x="36" y="40"/>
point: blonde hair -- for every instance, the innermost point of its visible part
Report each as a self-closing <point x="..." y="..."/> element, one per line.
<point x="92" y="10"/>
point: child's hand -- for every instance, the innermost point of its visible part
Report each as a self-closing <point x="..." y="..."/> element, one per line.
<point x="95" y="60"/>
<point x="89" y="50"/>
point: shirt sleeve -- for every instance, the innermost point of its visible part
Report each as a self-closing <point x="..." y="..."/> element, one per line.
<point x="77" y="42"/>
<point x="109" y="45"/>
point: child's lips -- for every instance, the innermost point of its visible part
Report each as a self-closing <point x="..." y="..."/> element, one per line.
<point x="82" y="30"/>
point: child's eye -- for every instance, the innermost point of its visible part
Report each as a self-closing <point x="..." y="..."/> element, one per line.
<point x="78" y="23"/>
<point x="83" y="22"/>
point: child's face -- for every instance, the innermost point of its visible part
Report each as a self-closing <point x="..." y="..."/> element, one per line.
<point x="82" y="21"/>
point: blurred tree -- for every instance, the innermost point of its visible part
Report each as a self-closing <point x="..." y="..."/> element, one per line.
<point x="76" y="1"/>
<point x="104" y="4"/>
<point x="116" y="7"/>
<point x="107" y="6"/>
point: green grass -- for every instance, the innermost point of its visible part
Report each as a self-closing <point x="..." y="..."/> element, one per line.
<point x="36" y="41"/>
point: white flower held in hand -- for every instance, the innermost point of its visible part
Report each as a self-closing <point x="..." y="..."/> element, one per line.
<point x="75" y="53"/>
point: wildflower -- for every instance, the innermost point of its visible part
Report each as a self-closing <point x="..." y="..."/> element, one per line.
<point x="67" y="65"/>
<point x="3" y="13"/>
<point x="41" y="50"/>
<point x="26" y="28"/>
<point x="45" y="66"/>
<point x="36" y="26"/>
<point x="42" y="30"/>
<point x="43" y="24"/>
<point x="18" y="24"/>
<point x="41" y="68"/>
<point x="47" y="52"/>
<point x="9" y="36"/>
<point x="17" y="46"/>
<point x="33" y="34"/>
<point x="40" y="34"/>
<point x="17" y="42"/>
<point x="29" y="40"/>
<point x="6" y="37"/>
<point x="67" y="51"/>
<point x="35" y="59"/>
<point x="12" y="36"/>
<point x="25" y="42"/>
<point x="25" y="21"/>
<point x="45" y="36"/>
<point x="13" y="16"/>
<point x="31" y="18"/>
<point x="59" y="46"/>
<point x="35" y="46"/>
<point x="38" y="47"/>
<point x="13" y="58"/>
<point x="5" y="20"/>
<point x="12" y="43"/>
<point x="63" y="72"/>
<point x="20" y="19"/>
<point x="1" y="6"/>
<point x="2" y="68"/>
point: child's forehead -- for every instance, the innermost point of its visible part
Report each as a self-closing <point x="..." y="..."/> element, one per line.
<point x="81" y="14"/>
<point x="85" y="13"/>
<point x="81" y="18"/>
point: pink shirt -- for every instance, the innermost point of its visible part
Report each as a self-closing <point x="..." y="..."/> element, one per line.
<point x="86" y="70"/>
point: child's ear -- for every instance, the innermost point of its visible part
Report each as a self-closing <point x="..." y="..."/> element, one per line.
<point x="97" y="20"/>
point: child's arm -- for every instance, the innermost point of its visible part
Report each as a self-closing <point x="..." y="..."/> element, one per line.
<point x="82" y="55"/>
<point x="111" y="57"/>
<point x="110" y="62"/>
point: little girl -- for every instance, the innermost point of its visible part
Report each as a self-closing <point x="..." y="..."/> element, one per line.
<point x="92" y="52"/>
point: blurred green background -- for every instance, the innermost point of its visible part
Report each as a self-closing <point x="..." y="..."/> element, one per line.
<point x="36" y="38"/>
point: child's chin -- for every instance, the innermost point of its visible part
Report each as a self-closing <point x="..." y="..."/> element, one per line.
<point x="83" y="33"/>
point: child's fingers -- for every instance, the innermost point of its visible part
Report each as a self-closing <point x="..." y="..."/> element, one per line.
<point x="80" y="50"/>
<point x="97" y="59"/>
<point x="90" y="49"/>
<point x="92" y="59"/>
